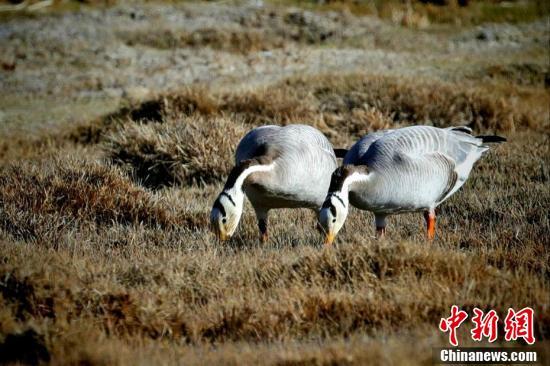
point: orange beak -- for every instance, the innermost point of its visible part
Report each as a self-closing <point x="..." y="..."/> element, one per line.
<point x="220" y="234"/>
<point x="329" y="239"/>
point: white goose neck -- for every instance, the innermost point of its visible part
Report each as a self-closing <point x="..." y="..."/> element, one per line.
<point x="251" y="169"/>
<point x="353" y="180"/>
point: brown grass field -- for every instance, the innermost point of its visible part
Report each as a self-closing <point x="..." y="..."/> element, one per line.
<point x="110" y="162"/>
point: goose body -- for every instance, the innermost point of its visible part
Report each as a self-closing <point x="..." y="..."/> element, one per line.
<point x="405" y="170"/>
<point x="303" y="161"/>
<point x="275" y="167"/>
<point x="413" y="168"/>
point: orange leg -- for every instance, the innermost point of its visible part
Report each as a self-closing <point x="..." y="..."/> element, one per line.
<point x="380" y="221"/>
<point x="264" y="238"/>
<point x="429" y="216"/>
<point x="380" y="232"/>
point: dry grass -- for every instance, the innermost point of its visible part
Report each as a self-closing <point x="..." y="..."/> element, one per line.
<point x="219" y="39"/>
<point x="522" y="74"/>
<point x="106" y="256"/>
<point x="342" y="106"/>
<point x="152" y="141"/>
<point x="183" y="150"/>
<point x="359" y="103"/>
<point x="90" y="254"/>
<point x="43" y="201"/>
<point x="423" y="13"/>
<point x="264" y="29"/>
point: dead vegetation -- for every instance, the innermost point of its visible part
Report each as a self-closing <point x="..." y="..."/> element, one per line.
<point x="44" y="201"/>
<point x="218" y="39"/>
<point x="262" y="30"/>
<point x="423" y="13"/>
<point x="356" y="104"/>
<point x="373" y="289"/>
<point x="189" y="137"/>
<point x="145" y="272"/>
<point x="106" y="256"/>
<point x="521" y="74"/>
<point x="182" y="150"/>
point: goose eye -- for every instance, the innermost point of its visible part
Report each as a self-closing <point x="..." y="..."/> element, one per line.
<point x="333" y="220"/>
<point x="224" y="220"/>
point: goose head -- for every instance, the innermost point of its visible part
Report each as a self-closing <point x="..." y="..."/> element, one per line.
<point x="333" y="214"/>
<point x="228" y="207"/>
<point x="226" y="213"/>
<point x="335" y="209"/>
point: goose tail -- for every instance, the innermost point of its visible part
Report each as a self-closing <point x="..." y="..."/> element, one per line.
<point x="340" y="153"/>
<point x="491" y="139"/>
<point x="484" y="138"/>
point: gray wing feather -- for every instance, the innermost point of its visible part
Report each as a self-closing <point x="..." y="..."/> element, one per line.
<point x="286" y="140"/>
<point x="357" y="152"/>
<point x="255" y="142"/>
<point x="454" y="142"/>
<point x="304" y="160"/>
<point x="420" y="156"/>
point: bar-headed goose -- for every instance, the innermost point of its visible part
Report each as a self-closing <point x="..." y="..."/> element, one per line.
<point x="276" y="167"/>
<point x="402" y="170"/>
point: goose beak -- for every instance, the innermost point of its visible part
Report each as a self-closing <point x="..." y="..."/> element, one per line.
<point x="223" y="236"/>
<point x="329" y="239"/>
<point x="220" y="233"/>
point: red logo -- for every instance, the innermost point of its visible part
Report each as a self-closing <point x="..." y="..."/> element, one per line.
<point x="519" y="325"/>
<point x="516" y="325"/>
<point x="485" y="326"/>
<point x="452" y="323"/>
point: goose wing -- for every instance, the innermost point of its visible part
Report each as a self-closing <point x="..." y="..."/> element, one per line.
<point x="304" y="160"/>
<point x="256" y="143"/>
<point x="434" y="174"/>
<point x="312" y="140"/>
<point x="292" y="139"/>
<point x="441" y="158"/>
<point x="355" y="155"/>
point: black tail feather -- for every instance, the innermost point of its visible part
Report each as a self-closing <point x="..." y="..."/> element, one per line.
<point x="340" y="153"/>
<point x="492" y="138"/>
<point x="464" y="129"/>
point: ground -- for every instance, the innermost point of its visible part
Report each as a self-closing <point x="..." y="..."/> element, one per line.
<point x="118" y="126"/>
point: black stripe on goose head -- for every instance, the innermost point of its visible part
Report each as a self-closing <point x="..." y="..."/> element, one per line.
<point x="228" y="197"/>
<point x="218" y="205"/>
<point x="328" y="204"/>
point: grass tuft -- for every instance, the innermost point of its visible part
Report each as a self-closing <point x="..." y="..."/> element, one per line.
<point x="42" y="202"/>
<point x="183" y="150"/>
